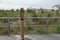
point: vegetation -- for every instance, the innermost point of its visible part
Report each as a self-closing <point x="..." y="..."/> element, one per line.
<point x="32" y="13"/>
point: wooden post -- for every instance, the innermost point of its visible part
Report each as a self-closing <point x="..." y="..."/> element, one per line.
<point x="22" y="23"/>
<point x="47" y="25"/>
<point x="8" y="27"/>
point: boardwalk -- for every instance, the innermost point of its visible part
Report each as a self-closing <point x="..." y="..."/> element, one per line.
<point x="32" y="37"/>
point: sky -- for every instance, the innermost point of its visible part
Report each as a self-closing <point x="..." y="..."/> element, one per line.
<point x="17" y="4"/>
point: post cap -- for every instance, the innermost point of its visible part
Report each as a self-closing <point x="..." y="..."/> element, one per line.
<point x="22" y="10"/>
<point x="22" y="13"/>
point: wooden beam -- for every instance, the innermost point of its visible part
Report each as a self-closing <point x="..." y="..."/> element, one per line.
<point x="22" y="23"/>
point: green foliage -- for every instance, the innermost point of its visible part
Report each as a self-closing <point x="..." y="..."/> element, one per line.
<point x="58" y="29"/>
<point x="30" y="10"/>
<point x="17" y="9"/>
<point x="40" y="31"/>
<point x="3" y="31"/>
<point x="12" y="10"/>
<point x="32" y="13"/>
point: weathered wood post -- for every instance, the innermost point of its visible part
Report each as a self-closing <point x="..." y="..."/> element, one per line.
<point x="47" y="25"/>
<point x="8" y="27"/>
<point x="22" y="23"/>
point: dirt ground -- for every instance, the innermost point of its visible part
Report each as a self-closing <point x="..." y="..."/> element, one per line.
<point x="32" y="37"/>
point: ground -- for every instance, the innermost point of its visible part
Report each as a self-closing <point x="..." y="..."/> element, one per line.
<point x="33" y="37"/>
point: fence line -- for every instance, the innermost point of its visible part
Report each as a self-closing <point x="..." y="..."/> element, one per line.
<point x="26" y="17"/>
<point x="31" y="25"/>
<point x="17" y="18"/>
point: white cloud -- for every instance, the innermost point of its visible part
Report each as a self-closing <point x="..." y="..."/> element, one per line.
<point x="9" y="4"/>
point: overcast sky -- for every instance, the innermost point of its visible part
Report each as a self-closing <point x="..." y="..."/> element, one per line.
<point x="14" y="4"/>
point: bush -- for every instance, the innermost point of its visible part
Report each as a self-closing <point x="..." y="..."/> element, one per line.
<point x="58" y="29"/>
<point x="40" y="31"/>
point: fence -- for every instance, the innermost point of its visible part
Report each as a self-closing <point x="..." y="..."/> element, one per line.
<point x="22" y="22"/>
<point x="26" y="18"/>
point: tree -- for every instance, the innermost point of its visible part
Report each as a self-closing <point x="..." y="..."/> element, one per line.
<point x="52" y="10"/>
<point x="57" y="12"/>
<point x="57" y="6"/>
<point x="2" y="10"/>
<point x="42" y="10"/>
<point x="17" y="9"/>
<point x="12" y="9"/>
<point x="31" y="10"/>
